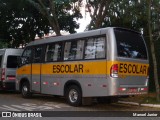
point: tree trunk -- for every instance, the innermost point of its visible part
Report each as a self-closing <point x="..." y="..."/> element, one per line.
<point x="55" y="26"/>
<point x="53" y="20"/>
<point x="153" y="52"/>
<point x="99" y="13"/>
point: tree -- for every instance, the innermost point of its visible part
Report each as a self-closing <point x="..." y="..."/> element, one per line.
<point x="3" y="44"/>
<point x="20" y="22"/>
<point x="140" y="15"/>
<point x="58" y="13"/>
<point x="116" y="12"/>
<point x="98" y="9"/>
<point x="150" y="32"/>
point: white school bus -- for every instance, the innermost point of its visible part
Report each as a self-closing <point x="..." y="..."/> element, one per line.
<point x="104" y="64"/>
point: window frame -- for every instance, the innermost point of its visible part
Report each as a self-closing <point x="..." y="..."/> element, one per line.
<point x="105" y="47"/>
<point x="75" y="40"/>
<point x="53" y="43"/>
<point x="85" y="42"/>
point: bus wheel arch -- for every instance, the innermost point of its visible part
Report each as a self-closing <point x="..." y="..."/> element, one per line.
<point x="73" y="93"/>
<point x="25" y="88"/>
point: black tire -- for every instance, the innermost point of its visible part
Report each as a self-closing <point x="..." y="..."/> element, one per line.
<point x="74" y="95"/>
<point x="25" y="90"/>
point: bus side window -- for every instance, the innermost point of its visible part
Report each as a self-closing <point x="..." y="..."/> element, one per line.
<point x="49" y="53"/>
<point x="37" y="54"/>
<point x="66" y="50"/>
<point x="74" y="50"/>
<point x="90" y="49"/>
<point x="57" y="52"/>
<point x="53" y="52"/>
<point x="100" y="47"/>
<point x="95" y="48"/>
<point x="80" y="49"/>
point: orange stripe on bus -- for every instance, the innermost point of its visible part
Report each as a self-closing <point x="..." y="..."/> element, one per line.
<point x="83" y="67"/>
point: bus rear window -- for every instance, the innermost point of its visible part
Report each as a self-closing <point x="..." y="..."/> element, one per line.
<point x="12" y="61"/>
<point x="130" y="44"/>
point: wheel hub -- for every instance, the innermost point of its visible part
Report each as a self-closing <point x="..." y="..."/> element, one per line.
<point x="73" y="96"/>
<point x="25" y="90"/>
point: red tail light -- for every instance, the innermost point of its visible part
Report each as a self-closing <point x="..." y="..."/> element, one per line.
<point x="144" y="89"/>
<point x="3" y="74"/>
<point x="114" y="71"/>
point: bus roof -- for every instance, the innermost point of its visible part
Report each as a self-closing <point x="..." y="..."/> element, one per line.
<point x="96" y="32"/>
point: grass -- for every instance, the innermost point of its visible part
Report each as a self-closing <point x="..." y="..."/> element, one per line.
<point x="149" y="98"/>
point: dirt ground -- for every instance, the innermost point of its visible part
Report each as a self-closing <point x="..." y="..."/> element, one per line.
<point x="147" y="98"/>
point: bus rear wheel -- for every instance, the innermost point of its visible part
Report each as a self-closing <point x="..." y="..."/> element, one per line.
<point x="25" y="90"/>
<point x="74" y="95"/>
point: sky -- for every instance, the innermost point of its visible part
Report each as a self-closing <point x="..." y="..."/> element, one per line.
<point x="84" y="21"/>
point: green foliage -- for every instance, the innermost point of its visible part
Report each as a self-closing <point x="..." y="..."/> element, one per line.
<point x="21" y="21"/>
<point x="3" y="44"/>
<point x="133" y="14"/>
<point x="60" y="14"/>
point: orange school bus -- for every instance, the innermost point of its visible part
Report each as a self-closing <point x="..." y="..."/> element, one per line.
<point x="105" y="64"/>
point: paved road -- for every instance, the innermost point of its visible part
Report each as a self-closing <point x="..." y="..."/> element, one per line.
<point x="11" y="101"/>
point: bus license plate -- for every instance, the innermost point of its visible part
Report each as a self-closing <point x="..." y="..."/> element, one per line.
<point x="133" y="90"/>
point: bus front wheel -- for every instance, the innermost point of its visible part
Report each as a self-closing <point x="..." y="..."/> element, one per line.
<point x="25" y="90"/>
<point x="74" y="95"/>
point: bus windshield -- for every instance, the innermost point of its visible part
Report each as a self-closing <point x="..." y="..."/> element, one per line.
<point x="130" y="44"/>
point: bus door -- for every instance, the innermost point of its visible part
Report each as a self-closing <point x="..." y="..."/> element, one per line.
<point x="36" y="69"/>
<point x="50" y="84"/>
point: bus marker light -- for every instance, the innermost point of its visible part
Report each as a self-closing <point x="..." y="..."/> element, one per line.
<point x="55" y="83"/>
<point x="36" y="83"/>
<point x="104" y="85"/>
<point x="45" y="83"/>
<point x="122" y="89"/>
